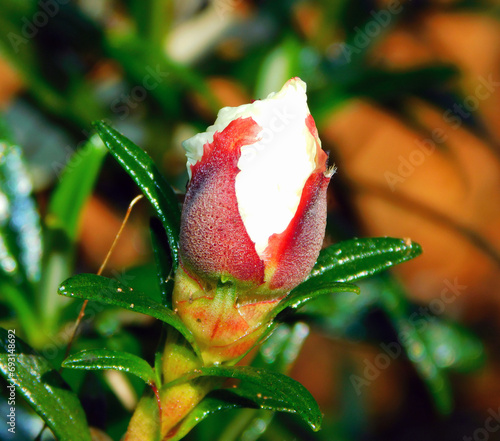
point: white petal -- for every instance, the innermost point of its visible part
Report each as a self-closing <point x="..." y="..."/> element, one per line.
<point x="274" y="169"/>
<point x="194" y="145"/>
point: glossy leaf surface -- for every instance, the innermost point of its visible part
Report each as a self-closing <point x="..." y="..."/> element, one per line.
<point x="141" y="168"/>
<point x="356" y="259"/>
<point x="164" y="268"/>
<point x="310" y="290"/>
<point x="277" y="354"/>
<point x="264" y="389"/>
<point x="112" y="292"/>
<point x="104" y="359"/>
<point x="43" y="388"/>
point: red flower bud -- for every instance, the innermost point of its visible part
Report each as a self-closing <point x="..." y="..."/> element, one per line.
<point x="254" y="216"/>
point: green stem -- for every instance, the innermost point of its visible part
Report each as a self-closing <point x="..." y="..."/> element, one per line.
<point x="178" y="357"/>
<point x="178" y="400"/>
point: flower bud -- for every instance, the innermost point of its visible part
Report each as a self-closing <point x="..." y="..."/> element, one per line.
<point x="254" y="215"/>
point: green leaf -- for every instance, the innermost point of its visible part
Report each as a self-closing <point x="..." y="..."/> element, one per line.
<point x="278" y="66"/>
<point x="341" y="314"/>
<point x="310" y="290"/>
<point x="452" y="346"/>
<point x="163" y="261"/>
<point x="215" y="402"/>
<point x="75" y="185"/>
<point x="264" y="389"/>
<point x="5" y="132"/>
<point x="411" y="335"/>
<point x="20" y="237"/>
<point x="43" y="388"/>
<point x="103" y="359"/>
<point x="425" y="364"/>
<point x="278" y="353"/>
<point x="17" y="299"/>
<point x="65" y="208"/>
<point x="146" y="175"/>
<point x="20" y="232"/>
<point x="282" y="348"/>
<point x="304" y="293"/>
<point x="359" y="258"/>
<point x="112" y="292"/>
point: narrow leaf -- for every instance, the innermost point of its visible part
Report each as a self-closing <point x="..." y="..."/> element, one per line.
<point x="359" y="258"/>
<point x="141" y="168"/>
<point x="20" y="237"/>
<point x="341" y="313"/>
<point x="282" y="348"/>
<point x="43" y="388"/>
<point x="410" y="334"/>
<point x="20" y="232"/>
<point x="112" y="292"/>
<point x="75" y="185"/>
<point x="215" y="402"/>
<point x="422" y="358"/>
<point x="280" y="64"/>
<point x="17" y="299"/>
<point x="264" y="389"/>
<point x="105" y="359"/>
<point x="302" y="294"/>
<point x="452" y="346"/>
<point x="163" y="261"/>
<point x="65" y="208"/>
<point x="310" y="290"/>
<point x="278" y="353"/>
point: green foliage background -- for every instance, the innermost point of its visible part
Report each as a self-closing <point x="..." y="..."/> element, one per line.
<point x="85" y="61"/>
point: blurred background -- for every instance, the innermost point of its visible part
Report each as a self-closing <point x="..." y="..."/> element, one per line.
<point x="406" y="98"/>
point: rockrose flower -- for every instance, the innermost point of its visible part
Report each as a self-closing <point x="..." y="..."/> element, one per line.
<point x="253" y="219"/>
